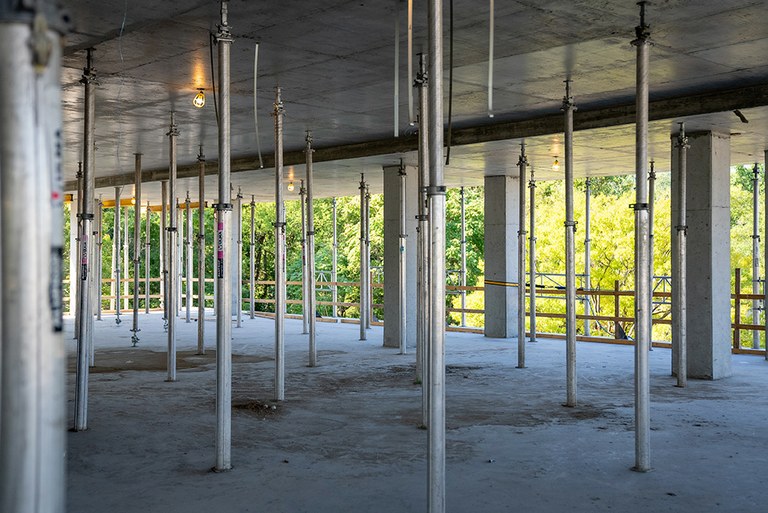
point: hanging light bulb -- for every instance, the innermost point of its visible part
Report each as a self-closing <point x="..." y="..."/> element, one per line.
<point x="199" y="100"/>
<point x="556" y="165"/>
<point x="291" y="186"/>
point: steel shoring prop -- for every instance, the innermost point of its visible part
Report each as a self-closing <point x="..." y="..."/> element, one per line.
<point x="532" y="257"/>
<point x="252" y="261"/>
<point x="85" y="327"/>
<point x="117" y="252"/>
<point x="755" y="253"/>
<point x="436" y="196"/>
<point x="147" y="254"/>
<point x="164" y="250"/>
<point x="642" y="280"/>
<point x="179" y="236"/>
<point x="171" y="295"/>
<point x="368" y="287"/>
<point x="124" y="275"/>
<point x="363" y="271"/>
<point x="223" y="267"/>
<point x="238" y="292"/>
<point x="522" y="164"/>
<point x="403" y="274"/>
<point x="570" y="254"/>
<point x="334" y="259"/>
<point x="188" y="248"/>
<point x="679" y="284"/>
<point x="304" y="281"/>
<point x="463" y="243"/>
<point x="94" y="259"/>
<point x="765" y="206"/>
<point x="310" y="234"/>
<point x="201" y="254"/>
<point x="111" y="281"/>
<point x="98" y="242"/>
<point x="587" y="253"/>
<point x="422" y="297"/>
<point x="74" y="280"/>
<point x="279" y="113"/>
<point x="136" y="249"/>
<point x="651" y="206"/>
<point x="32" y="418"/>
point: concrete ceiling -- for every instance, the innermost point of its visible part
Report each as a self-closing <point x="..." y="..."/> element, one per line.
<point x="334" y="61"/>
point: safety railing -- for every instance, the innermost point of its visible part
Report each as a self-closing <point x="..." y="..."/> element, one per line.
<point x="606" y="315"/>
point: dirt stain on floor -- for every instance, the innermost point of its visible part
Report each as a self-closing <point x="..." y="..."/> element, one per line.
<point x="134" y="359"/>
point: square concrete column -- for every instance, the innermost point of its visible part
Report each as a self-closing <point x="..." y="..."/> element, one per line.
<point x="708" y="264"/>
<point x="392" y="215"/>
<point x="501" y="225"/>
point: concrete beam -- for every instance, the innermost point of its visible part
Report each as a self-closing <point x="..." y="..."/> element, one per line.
<point x="721" y="100"/>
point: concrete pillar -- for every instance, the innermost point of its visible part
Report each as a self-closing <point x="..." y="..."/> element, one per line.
<point x="708" y="264"/>
<point x="501" y="226"/>
<point x="392" y="223"/>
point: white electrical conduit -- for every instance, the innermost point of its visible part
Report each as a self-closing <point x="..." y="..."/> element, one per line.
<point x="255" y="99"/>
<point x="490" y="61"/>
<point x="397" y="70"/>
<point x="411" y="117"/>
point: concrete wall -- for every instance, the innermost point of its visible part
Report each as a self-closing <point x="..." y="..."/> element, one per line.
<point x="501" y="225"/>
<point x="392" y="198"/>
<point x="708" y="264"/>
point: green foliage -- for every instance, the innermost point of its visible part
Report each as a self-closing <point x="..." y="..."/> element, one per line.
<point x="742" y="176"/>
<point x="612" y="247"/>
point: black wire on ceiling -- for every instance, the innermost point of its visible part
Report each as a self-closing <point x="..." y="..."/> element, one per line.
<point x="211" y="42"/>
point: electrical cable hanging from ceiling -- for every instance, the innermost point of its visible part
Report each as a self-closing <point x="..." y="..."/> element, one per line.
<point x="450" y="84"/>
<point x="490" y="60"/>
<point x="211" y="42"/>
<point x="255" y="98"/>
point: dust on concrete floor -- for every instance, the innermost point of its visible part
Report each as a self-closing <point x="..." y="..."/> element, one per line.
<point x="347" y="437"/>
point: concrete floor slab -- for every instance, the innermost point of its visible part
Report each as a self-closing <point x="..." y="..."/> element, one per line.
<point x="347" y="437"/>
